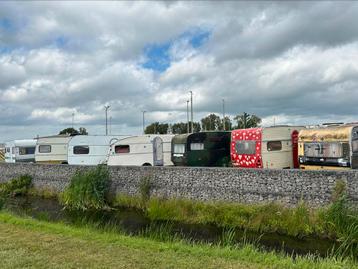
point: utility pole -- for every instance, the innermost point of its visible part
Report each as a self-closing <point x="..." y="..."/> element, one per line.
<point x="110" y="125"/>
<point x="224" y="114"/>
<point x="191" y="102"/>
<point x="245" y="116"/>
<point x="73" y="119"/>
<point x="106" y="110"/>
<point x="143" y="120"/>
<point x="187" y="116"/>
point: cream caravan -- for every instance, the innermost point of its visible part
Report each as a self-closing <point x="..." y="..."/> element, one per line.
<point x="90" y="149"/>
<point x="330" y="147"/>
<point x="20" y="151"/>
<point x="146" y="150"/>
<point x="52" y="149"/>
<point x="270" y="147"/>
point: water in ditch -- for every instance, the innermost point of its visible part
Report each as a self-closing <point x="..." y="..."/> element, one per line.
<point x="134" y="222"/>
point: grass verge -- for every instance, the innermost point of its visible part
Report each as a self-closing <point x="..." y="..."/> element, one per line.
<point x="62" y="246"/>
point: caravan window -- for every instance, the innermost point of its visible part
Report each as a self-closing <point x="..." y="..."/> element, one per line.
<point x="122" y="149"/>
<point x="179" y="148"/>
<point x="246" y="147"/>
<point x="45" y="148"/>
<point x="80" y="149"/>
<point x="26" y="151"/>
<point x="8" y="150"/>
<point x="274" y="145"/>
<point x="196" y="146"/>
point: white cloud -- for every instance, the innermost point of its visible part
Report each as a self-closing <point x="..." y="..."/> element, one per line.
<point x="296" y="62"/>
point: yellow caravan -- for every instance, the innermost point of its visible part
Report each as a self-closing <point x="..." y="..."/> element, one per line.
<point x="332" y="147"/>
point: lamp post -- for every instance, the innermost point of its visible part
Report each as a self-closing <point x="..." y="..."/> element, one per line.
<point x="224" y="114"/>
<point x="106" y="110"/>
<point x="187" y="116"/>
<point x="143" y="120"/>
<point x="73" y="119"/>
<point x="191" y="104"/>
<point x="110" y="125"/>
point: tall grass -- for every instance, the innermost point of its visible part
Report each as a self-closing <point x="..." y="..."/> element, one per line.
<point x="87" y="190"/>
<point x="344" y="221"/>
<point x="14" y="187"/>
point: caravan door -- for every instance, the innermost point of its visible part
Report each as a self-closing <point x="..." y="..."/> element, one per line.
<point x="158" y="156"/>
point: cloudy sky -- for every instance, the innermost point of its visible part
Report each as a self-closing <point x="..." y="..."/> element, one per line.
<point x="296" y="63"/>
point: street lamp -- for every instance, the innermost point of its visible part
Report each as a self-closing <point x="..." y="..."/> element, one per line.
<point x="187" y="116"/>
<point x="106" y="110"/>
<point x="191" y="102"/>
<point x="143" y="119"/>
<point x="73" y="119"/>
<point x="224" y="114"/>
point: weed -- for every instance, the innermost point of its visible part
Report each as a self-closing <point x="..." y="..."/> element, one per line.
<point x="228" y="237"/>
<point x="339" y="190"/>
<point x="16" y="186"/>
<point x="145" y="186"/>
<point x="87" y="190"/>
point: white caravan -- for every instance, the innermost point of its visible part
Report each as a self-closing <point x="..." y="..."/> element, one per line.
<point x="52" y="149"/>
<point x="20" y="151"/>
<point x="145" y="150"/>
<point x="90" y="149"/>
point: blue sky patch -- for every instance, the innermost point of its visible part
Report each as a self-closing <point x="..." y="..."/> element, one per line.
<point x="6" y="24"/>
<point x="157" y="55"/>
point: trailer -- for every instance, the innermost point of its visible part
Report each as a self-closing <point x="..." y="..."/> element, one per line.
<point x="20" y="151"/>
<point x="2" y="153"/>
<point x="266" y="147"/>
<point x="145" y="150"/>
<point x="90" y="149"/>
<point x="201" y="149"/>
<point x="52" y="149"/>
<point x="330" y="147"/>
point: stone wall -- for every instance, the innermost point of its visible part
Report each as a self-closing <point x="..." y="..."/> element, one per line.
<point x="228" y="184"/>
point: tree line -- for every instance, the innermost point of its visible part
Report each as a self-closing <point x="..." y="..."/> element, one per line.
<point x="212" y="122"/>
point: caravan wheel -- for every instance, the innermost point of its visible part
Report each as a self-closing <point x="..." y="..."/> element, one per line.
<point x="146" y="164"/>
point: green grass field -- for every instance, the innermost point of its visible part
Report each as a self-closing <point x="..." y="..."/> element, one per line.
<point x="29" y="243"/>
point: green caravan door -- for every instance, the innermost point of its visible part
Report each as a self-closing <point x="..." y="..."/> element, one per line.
<point x="354" y="160"/>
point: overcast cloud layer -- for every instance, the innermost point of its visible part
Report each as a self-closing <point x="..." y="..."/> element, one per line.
<point x="295" y="62"/>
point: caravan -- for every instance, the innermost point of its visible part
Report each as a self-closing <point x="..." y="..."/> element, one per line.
<point x="201" y="149"/>
<point x="267" y="147"/>
<point x="330" y="147"/>
<point x="90" y="149"/>
<point x="20" y="151"/>
<point x="145" y="150"/>
<point x="52" y="149"/>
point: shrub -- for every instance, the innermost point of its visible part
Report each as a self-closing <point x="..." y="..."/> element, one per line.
<point x="16" y="186"/>
<point x="87" y="190"/>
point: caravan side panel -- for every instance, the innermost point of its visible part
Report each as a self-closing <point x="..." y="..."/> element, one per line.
<point x="52" y="150"/>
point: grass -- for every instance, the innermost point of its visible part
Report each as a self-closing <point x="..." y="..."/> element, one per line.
<point x="87" y="190"/>
<point x="14" y="187"/>
<point x="61" y="246"/>
<point x="299" y="221"/>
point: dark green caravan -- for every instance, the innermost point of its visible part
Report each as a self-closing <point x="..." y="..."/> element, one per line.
<point x="201" y="149"/>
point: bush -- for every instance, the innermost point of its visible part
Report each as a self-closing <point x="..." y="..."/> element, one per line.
<point x="87" y="190"/>
<point x="16" y="186"/>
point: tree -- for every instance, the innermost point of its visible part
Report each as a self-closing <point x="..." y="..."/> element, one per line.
<point x="212" y="122"/>
<point x="247" y="121"/>
<point x="73" y="131"/>
<point x="157" y="128"/>
<point x="228" y="124"/>
<point x="182" y="128"/>
<point x="83" y="131"/>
